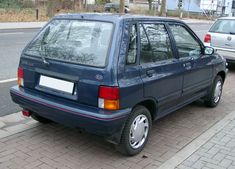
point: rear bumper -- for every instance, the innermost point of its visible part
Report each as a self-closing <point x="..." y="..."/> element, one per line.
<point x="229" y="55"/>
<point x="105" y="123"/>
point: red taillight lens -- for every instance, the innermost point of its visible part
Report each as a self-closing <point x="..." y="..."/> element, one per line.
<point x="111" y="93"/>
<point x="26" y="113"/>
<point x="207" y="38"/>
<point x="20" y="76"/>
<point x="109" y="98"/>
<point x="20" y="72"/>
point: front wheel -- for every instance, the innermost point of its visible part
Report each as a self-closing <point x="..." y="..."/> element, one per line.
<point x="136" y="132"/>
<point x="215" y="94"/>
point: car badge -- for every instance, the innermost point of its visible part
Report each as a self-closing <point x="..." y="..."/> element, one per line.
<point x="229" y="38"/>
<point x="99" y="77"/>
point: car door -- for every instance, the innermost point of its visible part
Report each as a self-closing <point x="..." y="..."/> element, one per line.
<point x="160" y="69"/>
<point x="129" y="80"/>
<point x="197" y="67"/>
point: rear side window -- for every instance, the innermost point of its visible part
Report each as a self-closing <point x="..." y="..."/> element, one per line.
<point x="223" y="26"/>
<point x="132" y="49"/>
<point x="82" y="42"/>
<point x="155" y="43"/>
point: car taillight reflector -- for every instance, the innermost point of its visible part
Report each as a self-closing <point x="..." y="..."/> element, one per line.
<point x="108" y="98"/>
<point x="26" y="113"/>
<point x="20" y="75"/>
<point x="207" y="38"/>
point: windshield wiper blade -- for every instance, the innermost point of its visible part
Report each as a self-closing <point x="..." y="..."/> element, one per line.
<point x="42" y="46"/>
<point x="45" y="61"/>
<point x="42" y="55"/>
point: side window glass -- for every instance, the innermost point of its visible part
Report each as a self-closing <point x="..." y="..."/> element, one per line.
<point x="186" y="44"/>
<point x="132" y="49"/>
<point x="155" y="43"/>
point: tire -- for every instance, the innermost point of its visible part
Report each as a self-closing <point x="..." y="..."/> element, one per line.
<point x="213" y="98"/>
<point x="128" y="147"/>
<point x="40" y="118"/>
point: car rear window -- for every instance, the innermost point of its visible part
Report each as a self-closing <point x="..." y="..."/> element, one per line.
<point x="223" y="26"/>
<point x="76" y="41"/>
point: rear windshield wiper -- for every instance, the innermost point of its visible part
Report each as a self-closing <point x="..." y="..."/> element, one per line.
<point x="42" y="46"/>
<point x="44" y="60"/>
<point x="232" y="33"/>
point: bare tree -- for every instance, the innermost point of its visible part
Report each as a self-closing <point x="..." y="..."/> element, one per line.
<point x="122" y="6"/>
<point x="163" y="8"/>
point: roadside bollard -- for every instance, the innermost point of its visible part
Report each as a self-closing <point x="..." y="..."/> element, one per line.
<point x="37" y="12"/>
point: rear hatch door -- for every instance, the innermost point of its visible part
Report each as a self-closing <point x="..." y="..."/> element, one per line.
<point x="223" y="34"/>
<point x="68" y="59"/>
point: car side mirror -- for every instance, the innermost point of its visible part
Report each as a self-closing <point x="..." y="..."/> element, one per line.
<point x="208" y="50"/>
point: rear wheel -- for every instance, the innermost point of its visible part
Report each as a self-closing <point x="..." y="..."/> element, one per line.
<point x="214" y="96"/>
<point x="40" y="118"/>
<point x="136" y="132"/>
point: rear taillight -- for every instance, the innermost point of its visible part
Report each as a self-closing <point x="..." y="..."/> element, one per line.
<point x="109" y="98"/>
<point x="207" y="38"/>
<point x="20" y="76"/>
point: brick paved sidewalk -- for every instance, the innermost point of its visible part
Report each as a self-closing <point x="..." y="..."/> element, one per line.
<point x="217" y="153"/>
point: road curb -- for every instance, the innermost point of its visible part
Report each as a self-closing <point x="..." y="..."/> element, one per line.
<point x="192" y="147"/>
<point x="21" y="25"/>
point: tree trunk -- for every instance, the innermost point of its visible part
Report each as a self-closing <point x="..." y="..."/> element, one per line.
<point x="78" y="5"/>
<point x="36" y="4"/>
<point x="150" y="4"/>
<point x="50" y="8"/>
<point x="163" y="8"/>
<point x="122" y="6"/>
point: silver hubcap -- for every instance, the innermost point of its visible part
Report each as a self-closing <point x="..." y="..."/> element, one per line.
<point x="218" y="91"/>
<point x="139" y="131"/>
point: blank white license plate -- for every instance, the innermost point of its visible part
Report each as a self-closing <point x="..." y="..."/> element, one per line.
<point x="57" y="84"/>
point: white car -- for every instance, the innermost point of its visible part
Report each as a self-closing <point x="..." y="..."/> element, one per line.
<point x="221" y="37"/>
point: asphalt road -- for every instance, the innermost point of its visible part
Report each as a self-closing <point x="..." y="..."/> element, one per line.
<point x="12" y="43"/>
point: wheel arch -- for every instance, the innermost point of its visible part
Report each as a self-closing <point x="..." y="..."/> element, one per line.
<point x="151" y="105"/>
<point x="222" y="74"/>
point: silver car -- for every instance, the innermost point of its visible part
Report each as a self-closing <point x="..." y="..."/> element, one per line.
<point x="221" y="37"/>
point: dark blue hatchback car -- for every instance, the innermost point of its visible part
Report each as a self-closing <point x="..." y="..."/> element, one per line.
<point x="113" y="75"/>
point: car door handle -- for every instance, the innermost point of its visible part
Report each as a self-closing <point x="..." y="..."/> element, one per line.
<point x="150" y="73"/>
<point x="187" y="65"/>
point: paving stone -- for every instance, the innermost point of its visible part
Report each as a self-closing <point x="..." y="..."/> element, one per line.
<point x="213" y="166"/>
<point x="208" y="145"/>
<point x="213" y="150"/>
<point x="225" y="163"/>
<point x="219" y="157"/>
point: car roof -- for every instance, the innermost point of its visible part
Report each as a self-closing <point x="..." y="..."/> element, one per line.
<point x="113" y="17"/>
<point x="232" y="18"/>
